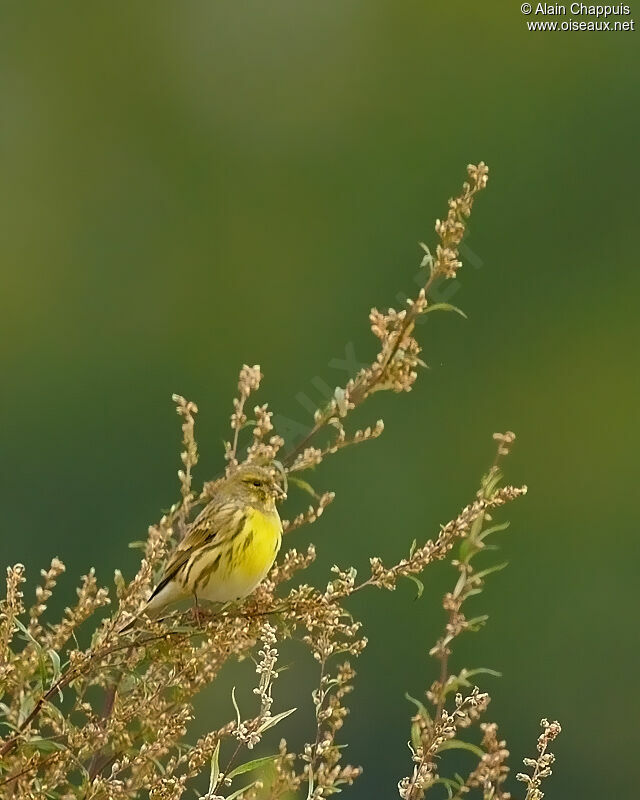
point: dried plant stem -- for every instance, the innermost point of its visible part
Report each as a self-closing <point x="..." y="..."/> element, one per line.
<point x="77" y="671"/>
<point x="135" y="744"/>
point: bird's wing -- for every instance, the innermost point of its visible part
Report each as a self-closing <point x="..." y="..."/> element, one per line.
<point x="216" y="521"/>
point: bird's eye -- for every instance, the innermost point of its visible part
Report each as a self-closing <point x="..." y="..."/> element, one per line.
<point x="257" y="483"/>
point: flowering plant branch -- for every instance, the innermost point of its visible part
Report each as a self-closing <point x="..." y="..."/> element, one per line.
<point x="90" y="713"/>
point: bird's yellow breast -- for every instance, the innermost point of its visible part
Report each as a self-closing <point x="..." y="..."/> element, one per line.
<point x="258" y="544"/>
<point x="234" y="569"/>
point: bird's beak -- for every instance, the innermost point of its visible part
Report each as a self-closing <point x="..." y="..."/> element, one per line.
<point x="278" y="492"/>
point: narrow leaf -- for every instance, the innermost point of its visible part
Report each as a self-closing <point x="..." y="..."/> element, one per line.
<point x="241" y="791"/>
<point x="235" y="705"/>
<point x="496" y="568"/>
<point x="418" y="583"/>
<point x="215" y="768"/>
<point x="445" y="307"/>
<point x="483" y="671"/>
<point x="419" y="705"/>
<point x="250" y="765"/>
<point x="28" y="636"/>
<point x="44" y="745"/>
<point x="55" y="660"/>
<point x="493" y="529"/>
<point x="457" y="744"/>
<point x="273" y="721"/>
<point x="304" y="485"/>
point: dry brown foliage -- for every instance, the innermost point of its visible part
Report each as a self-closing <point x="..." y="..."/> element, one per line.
<point x="107" y="718"/>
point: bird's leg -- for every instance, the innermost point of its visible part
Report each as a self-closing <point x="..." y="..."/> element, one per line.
<point x="196" y="609"/>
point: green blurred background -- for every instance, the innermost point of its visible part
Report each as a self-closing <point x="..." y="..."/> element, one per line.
<point x="190" y="186"/>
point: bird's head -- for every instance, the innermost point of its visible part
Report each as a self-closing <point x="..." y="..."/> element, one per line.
<point x="259" y="485"/>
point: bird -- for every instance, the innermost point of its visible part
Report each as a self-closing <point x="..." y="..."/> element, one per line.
<point x="229" y="547"/>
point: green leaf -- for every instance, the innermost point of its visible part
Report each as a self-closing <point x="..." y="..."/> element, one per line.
<point x="273" y="721"/>
<point x="493" y="529"/>
<point x="44" y="745"/>
<point x="137" y="545"/>
<point x="418" y="583"/>
<point x="419" y="705"/>
<point x="416" y="735"/>
<point x="445" y="307"/>
<point x="457" y="744"/>
<point x="27" y="704"/>
<point x="449" y="784"/>
<point x="468" y="548"/>
<point x="240" y="791"/>
<point x="306" y="487"/>
<point x="27" y="635"/>
<point x="496" y="568"/>
<point x="477" y="622"/>
<point x="427" y="261"/>
<point x="235" y="705"/>
<point x="483" y="671"/>
<point x="215" y="768"/>
<point x="119" y="581"/>
<point x="250" y="765"/>
<point x="55" y="661"/>
<point x="128" y="683"/>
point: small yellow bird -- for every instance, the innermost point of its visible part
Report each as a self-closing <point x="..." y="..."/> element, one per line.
<point x="230" y="546"/>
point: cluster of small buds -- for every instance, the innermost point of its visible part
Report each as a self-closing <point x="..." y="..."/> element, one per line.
<point x="468" y="709"/>
<point x="264" y="448"/>
<point x="505" y="440"/>
<point x="382" y="577"/>
<point x="433" y="735"/>
<point x="323" y="771"/>
<point x="456" y="624"/>
<point x="12" y="607"/>
<point x="310" y="457"/>
<point x="336" y="637"/>
<point x="43" y="593"/>
<point x="310" y="515"/>
<point x="400" y="373"/>
<point x="265" y="452"/>
<point x="292" y="562"/>
<point x="451" y="230"/>
<point x="247" y="734"/>
<point x="436" y="550"/>
<point x="540" y="766"/>
<point x="286" y="779"/>
<point x="330" y="628"/>
<point x="492" y="771"/>
<point x="479" y="176"/>
<point x="238" y="417"/>
<point x="396" y="363"/>
<point x="419" y="305"/>
<point x="90" y="598"/>
<point x="263" y="425"/>
<point x="248" y="381"/>
<point x="344" y="584"/>
<point x="133" y="596"/>
<point x="423" y="776"/>
<point x="250" y="732"/>
<point x="189" y="456"/>
<point x="370" y="432"/>
<point x="385" y="326"/>
<point x="265" y="668"/>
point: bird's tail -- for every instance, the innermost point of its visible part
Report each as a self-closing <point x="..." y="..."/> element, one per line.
<point x="162" y="596"/>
